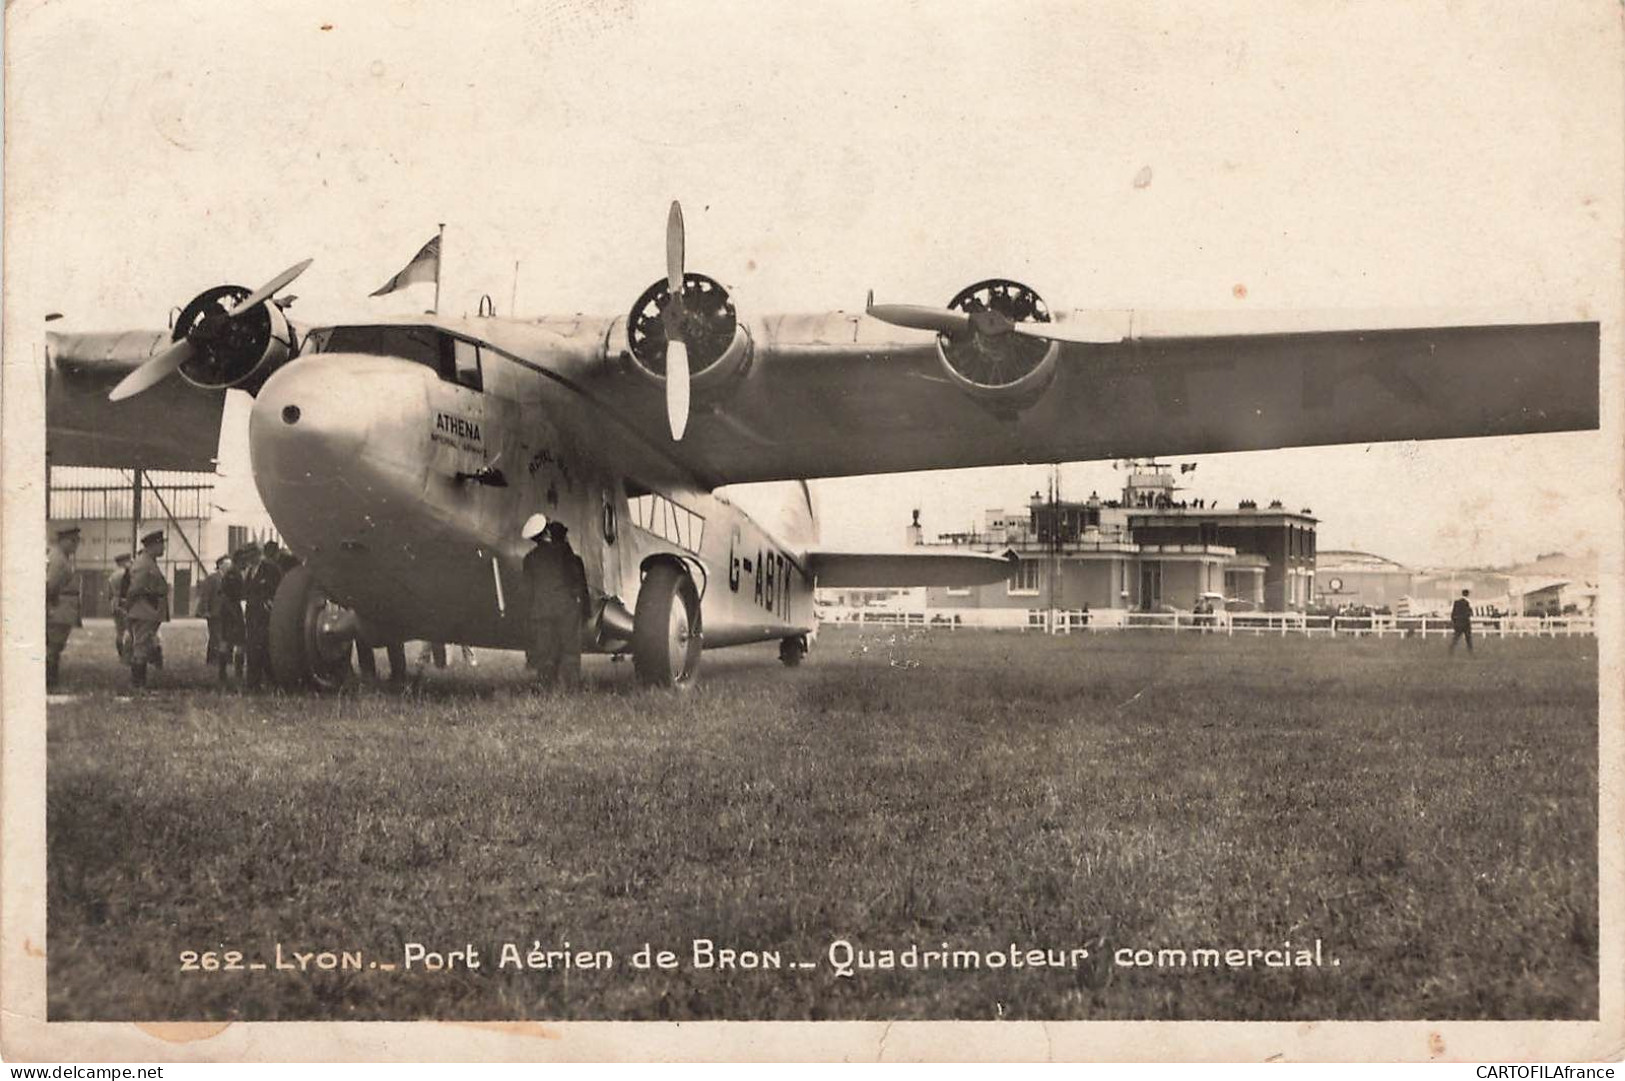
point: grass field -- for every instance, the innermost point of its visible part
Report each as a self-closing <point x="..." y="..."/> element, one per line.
<point x="1431" y="820"/>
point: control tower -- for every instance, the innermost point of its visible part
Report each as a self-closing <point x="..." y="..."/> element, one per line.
<point x="1150" y="483"/>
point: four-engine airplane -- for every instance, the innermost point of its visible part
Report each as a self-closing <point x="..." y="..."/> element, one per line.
<point x="399" y="456"/>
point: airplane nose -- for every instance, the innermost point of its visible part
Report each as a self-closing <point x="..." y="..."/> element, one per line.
<point x="305" y="420"/>
<point x="338" y="421"/>
<point x="332" y="438"/>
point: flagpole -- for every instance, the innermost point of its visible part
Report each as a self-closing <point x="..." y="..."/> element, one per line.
<point x="440" y="260"/>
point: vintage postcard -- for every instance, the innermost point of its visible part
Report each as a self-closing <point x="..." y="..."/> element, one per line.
<point x="842" y="520"/>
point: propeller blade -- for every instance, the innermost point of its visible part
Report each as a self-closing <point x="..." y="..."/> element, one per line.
<point x="1062" y="332"/>
<point x="677" y="388"/>
<point x="153" y="372"/>
<point x="674" y="249"/>
<point x="269" y="289"/>
<point x="919" y="317"/>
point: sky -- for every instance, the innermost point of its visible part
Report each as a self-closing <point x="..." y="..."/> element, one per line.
<point x="1237" y="157"/>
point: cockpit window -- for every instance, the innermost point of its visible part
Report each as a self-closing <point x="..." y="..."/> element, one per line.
<point x="466" y="364"/>
<point x="453" y="359"/>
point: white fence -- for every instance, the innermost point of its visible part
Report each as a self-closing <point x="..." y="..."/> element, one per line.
<point x="1063" y="621"/>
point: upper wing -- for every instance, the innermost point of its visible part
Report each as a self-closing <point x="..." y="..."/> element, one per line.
<point x="174" y="425"/>
<point x="844" y="394"/>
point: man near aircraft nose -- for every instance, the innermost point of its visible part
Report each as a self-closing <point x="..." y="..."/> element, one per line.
<point x="147" y="601"/>
<point x="558" y="602"/>
<point x="207" y="591"/>
<point x="260" y="583"/>
<point x="61" y="600"/>
<point x="228" y="614"/>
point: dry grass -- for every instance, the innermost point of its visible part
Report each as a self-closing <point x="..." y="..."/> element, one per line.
<point x="1432" y="820"/>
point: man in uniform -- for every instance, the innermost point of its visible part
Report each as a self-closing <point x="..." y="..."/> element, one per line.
<point x="117" y="585"/>
<point x="1461" y="621"/>
<point x="61" y="600"/>
<point x="558" y="602"/>
<point x="148" y="607"/>
<point x="206" y="593"/>
<point x="261" y="578"/>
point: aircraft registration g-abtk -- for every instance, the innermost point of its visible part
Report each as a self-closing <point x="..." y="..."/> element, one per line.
<point x="399" y="457"/>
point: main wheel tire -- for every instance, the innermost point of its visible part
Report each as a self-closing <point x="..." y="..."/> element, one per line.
<point x="303" y="654"/>
<point x="666" y="639"/>
<point x="792" y="650"/>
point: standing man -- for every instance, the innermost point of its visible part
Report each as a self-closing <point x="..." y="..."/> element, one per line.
<point x="61" y="600"/>
<point x="206" y="592"/>
<point x="558" y="602"/>
<point x="117" y="585"/>
<point x="227" y="614"/>
<point x="1461" y="621"/>
<point x="148" y="607"/>
<point x="260" y="581"/>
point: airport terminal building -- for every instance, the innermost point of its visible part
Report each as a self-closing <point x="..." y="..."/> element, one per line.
<point x="1147" y="550"/>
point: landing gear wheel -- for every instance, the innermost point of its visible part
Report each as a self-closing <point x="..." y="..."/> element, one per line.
<point x="310" y="640"/>
<point x="666" y="639"/>
<point x="792" y="650"/>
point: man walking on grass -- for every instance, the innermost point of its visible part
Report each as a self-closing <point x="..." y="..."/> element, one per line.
<point x="1461" y="621"/>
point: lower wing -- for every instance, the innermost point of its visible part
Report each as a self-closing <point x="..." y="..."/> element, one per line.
<point x="172" y="426"/>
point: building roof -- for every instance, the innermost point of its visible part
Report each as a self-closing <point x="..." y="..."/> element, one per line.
<point x="1557" y="564"/>
<point x="1348" y="560"/>
<point x="1540" y="585"/>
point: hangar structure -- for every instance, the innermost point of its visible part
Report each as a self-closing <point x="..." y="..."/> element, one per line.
<point x="1147" y="550"/>
<point x="1552" y="584"/>
<point x="113" y="507"/>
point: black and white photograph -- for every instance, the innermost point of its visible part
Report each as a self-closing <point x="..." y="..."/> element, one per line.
<point x="851" y="518"/>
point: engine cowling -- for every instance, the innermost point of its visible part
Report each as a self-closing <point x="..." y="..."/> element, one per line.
<point x="719" y="346"/>
<point x="239" y="353"/>
<point x="1007" y="371"/>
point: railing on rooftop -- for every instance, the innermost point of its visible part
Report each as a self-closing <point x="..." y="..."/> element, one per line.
<point x="1102" y="539"/>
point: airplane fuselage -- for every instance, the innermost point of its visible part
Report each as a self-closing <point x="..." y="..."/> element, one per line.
<point x="401" y="459"/>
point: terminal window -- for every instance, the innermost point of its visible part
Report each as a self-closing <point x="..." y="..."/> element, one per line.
<point x="1024" y="579"/>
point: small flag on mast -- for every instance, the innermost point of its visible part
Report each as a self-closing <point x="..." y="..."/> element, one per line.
<point x="424" y="267"/>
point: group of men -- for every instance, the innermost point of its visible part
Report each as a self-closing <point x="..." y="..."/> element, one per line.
<point x="236" y="600"/>
<point x="140" y="601"/>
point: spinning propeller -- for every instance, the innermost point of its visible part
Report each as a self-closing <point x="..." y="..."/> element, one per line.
<point x="201" y="336"/>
